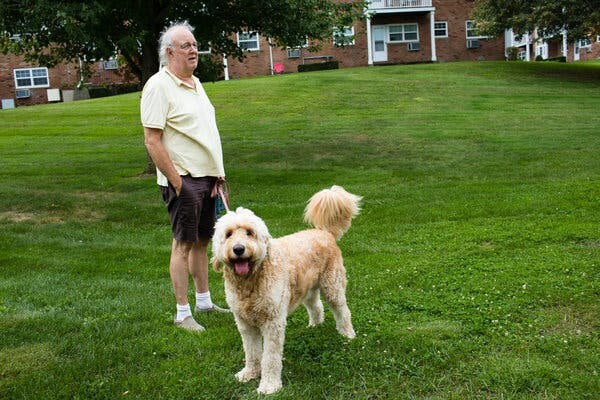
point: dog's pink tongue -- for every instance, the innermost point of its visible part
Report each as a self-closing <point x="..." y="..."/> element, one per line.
<point x="241" y="267"/>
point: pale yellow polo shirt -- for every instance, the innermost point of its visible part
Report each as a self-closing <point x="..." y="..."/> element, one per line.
<point x="187" y="119"/>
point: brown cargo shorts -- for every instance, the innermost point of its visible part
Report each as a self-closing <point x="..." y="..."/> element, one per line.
<point x="192" y="213"/>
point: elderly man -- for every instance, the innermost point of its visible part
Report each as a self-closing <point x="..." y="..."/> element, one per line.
<point x="181" y="136"/>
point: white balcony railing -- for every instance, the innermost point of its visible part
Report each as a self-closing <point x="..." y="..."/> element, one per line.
<point x="378" y="4"/>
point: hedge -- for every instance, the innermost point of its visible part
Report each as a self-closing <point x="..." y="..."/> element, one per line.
<point x="333" y="64"/>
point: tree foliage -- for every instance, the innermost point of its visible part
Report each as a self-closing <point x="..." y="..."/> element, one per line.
<point x="579" y="18"/>
<point x="52" y="31"/>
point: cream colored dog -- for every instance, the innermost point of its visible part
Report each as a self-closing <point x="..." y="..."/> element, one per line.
<point x="266" y="278"/>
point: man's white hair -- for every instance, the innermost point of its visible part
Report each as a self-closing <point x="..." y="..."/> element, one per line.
<point x="165" y="40"/>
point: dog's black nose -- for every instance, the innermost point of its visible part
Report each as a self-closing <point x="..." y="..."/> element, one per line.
<point x="239" y="249"/>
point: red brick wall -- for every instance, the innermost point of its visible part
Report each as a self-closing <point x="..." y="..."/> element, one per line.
<point x="590" y="53"/>
<point x="554" y="49"/>
<point x="258" y="62"/>
<point x="452" y="48"/>
<point x="63" y="76"/>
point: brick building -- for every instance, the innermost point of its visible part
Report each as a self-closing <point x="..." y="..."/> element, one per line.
<point x="393" y="32"/>
<point x="531" y="46"/>
<point x="22" y="84"/>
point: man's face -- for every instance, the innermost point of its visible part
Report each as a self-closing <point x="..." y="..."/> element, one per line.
<point x="183" y="54"/>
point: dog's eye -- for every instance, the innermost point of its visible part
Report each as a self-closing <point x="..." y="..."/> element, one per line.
<point x="249" y="233"/>
<point x="228" y="234"/>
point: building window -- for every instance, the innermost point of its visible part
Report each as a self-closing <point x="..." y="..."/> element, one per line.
<point x="472" y="32"/>
<point x="441" y="29"/>
<point x="295" y="52"/>
<point x="522" y="55"/>
<point x="343" y="37"/>
<point x="204" y="48"/>
<point x="583" y="43"/>
<point x="404" y="33"/>
<point x="31" y="78"/>
<point x="110" y="65"/>
<point x="248" y="41"/>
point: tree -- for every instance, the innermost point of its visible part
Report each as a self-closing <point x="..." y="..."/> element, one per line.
<point x="49" y="32"/>
<point x="550" y="17"/>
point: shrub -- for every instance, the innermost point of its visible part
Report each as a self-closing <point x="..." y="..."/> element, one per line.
<point x="333" y="64"/>
<point x="558" y="59"/>
<point x="512" y="53"/>
<point x="208" y="70"/>
<point x="539" y="58"/>
<point x="111" y="90"/>
<point x="98" y="91"/>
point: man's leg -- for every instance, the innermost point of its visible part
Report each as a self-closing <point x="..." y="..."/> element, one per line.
<point x="178" y="268"/>
<point x="198" y="265"/>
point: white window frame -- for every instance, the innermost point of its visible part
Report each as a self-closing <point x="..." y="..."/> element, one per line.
<point x="206" y="50"/>
<point x="31" y="78"/>
<point x="470" y="27"/>
<point x="584" y="43"/>
<point x="402" y="33"/>
<point x="437" y="28"/>
<point x="302" y="45"/>
<point x="345" y="38"/>
<point x="248" y="40"/>
<point x="110" y="65"/>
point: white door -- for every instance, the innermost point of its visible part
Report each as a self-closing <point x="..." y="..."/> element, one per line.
<point x="379" y="44"/>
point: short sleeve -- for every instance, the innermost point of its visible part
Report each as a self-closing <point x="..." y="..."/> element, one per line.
<point x="154" y="105"/>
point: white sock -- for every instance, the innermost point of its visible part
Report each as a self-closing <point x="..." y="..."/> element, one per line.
<point x="183" y="312"/>
<point x="203" y="301"/>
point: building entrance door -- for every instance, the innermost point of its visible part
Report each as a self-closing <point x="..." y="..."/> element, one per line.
<point x="379" y="44"/>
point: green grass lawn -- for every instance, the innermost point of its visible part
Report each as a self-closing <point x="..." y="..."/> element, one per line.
<point x="473" y="268"/>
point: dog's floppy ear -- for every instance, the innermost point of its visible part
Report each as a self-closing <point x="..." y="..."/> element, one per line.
<point x="262" y="232"/>
<point x="216" y="264"/>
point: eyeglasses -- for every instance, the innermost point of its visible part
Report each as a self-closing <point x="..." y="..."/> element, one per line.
<point x="187" y="45"/>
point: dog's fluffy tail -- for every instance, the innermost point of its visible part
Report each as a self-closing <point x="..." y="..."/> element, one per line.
<point x="332" y="210"/>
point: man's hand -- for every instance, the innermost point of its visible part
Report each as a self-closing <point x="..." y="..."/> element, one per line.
<point x="178" y="185"/>
<point x="153" y="142"/>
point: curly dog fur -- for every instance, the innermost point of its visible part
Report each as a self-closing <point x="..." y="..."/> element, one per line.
<point x="266" y="279"/>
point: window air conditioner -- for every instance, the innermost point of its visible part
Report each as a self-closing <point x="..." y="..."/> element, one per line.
<point x="294" y="53"/>
<point x="472" y="44"/>
<point x="110" y="64"/>
<point x="414" y="46"/>
<point x="22" y="93"/>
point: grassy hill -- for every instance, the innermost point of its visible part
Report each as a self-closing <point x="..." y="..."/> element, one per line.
<point x="473" y="268"/>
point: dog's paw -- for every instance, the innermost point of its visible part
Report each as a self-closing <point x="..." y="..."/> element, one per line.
<point x="313" y="323"/>
<point x="268" y="387"/>
<point x="246" y="375"/>
<point x="316" y="319"/>
<point x="347" y="332"/>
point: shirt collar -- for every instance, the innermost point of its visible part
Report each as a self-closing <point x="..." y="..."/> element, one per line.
<point x="179" y="81"/>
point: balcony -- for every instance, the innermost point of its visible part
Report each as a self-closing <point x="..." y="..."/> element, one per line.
<point x="400" y="5"/>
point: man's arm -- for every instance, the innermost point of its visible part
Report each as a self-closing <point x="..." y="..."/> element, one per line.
<point x="152" y="140"/>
